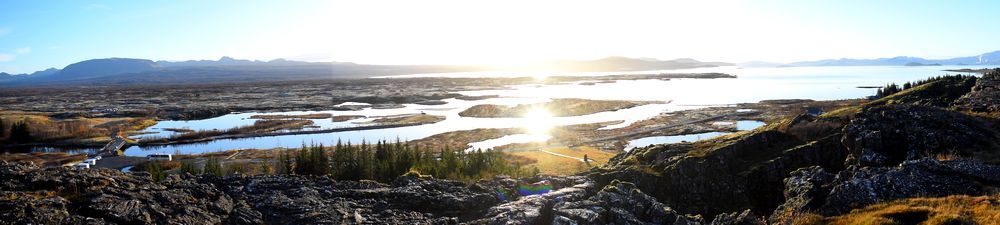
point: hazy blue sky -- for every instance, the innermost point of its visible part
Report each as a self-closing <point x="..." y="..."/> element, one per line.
<point x="36" y="35"/>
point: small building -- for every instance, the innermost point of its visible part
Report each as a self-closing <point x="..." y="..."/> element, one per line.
<point x="156" y="157"/>
<point x="81" y="166"/>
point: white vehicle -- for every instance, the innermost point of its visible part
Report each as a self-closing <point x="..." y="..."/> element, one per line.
<point x="91" y="162"/>
<point x="97" y="157"/>
<point x="82" y="166"/>
<point x="165" y="157"/>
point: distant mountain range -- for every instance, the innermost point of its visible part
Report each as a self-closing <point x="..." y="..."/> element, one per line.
<point x="125" y="71"/>
<point x="991" y="58"/>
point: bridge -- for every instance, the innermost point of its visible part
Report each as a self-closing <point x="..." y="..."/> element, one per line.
<point x="113" y="148"/>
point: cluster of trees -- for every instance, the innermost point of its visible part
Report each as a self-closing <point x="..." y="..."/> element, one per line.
<point x="893" y="88"/>
<point x="212" y="166"/>
<point x="384" y="161"/>
<point x="19" y="133"/>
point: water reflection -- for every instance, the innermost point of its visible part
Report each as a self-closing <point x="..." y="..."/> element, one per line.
<point x="741" y="125"/>
<point x="753" y="84"/>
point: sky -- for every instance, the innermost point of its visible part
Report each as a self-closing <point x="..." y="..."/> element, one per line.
<point x="35" y="35"/>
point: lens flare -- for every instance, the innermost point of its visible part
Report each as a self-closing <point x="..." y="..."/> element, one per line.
<point x="538" y="188"/>
<point x="537" y="121"/>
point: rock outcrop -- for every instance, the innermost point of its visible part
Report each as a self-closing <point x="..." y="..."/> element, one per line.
<point x="731" y="173"/>
<point x="815" y="190"/>
<point x="889" y="135"/>
<point x="32" y="195"/>
<point x="985" y="95"/>
<point x="898" y="152"/>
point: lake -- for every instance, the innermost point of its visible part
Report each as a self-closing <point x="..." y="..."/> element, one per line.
<point x="752" y="85"/>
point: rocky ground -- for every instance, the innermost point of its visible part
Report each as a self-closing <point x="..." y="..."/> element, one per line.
<point x="799" y="170"/>
<point x="886" y="150"/>
<point x="186" y="102"/>
<point x="32" y="195"/>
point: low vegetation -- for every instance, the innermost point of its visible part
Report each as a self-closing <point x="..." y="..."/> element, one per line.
<point x="926" y="211"/>
<point x="27" y="128"/>
<point x="549" y="164"/>
<point x="409" y="119"/>
<point x="305" y="116"/>
<point x="556" y="107"/>
<point x="43" y="159"/>
<point x="461" y="139"/>
<point x="259" y="126"/>
<point x="893" y="88"/>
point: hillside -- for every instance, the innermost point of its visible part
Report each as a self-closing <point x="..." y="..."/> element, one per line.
<point x="929" y="154"/>
<point x="934" y="140"/>
<point x="122" y="71"/>
<point x="989" y="58"/>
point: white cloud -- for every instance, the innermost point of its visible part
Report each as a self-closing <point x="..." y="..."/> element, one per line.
<point x="24" y="50"/>
<point x="4" y="57"/>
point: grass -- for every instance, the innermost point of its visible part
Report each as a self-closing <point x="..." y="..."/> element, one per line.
<point x="459" y="140"/>
<point x="556" y="107"/>
<point x="411" y="119"/>
<point x="164" y="165"/>
<point x="557" y="165"/>
<point x="957" y="209"/>
<point x="44" y="159"/>
<point x="94" y="131"/>
<point x="306" y="116"/>
<point x="258" y="127"/>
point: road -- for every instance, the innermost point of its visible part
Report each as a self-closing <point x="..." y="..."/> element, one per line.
<point x="561" y="155"/>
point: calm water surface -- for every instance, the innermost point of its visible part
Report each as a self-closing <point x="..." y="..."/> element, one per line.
<point x="752" y="85"/>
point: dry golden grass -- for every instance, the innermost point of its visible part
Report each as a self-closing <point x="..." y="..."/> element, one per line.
<point x="556" y="107"/>
<point x="306" y="116"/>
<point x="459" y="140"/>
<point x="164" y="165"/>
<point x="43" y="159"/>
<point x="413" y="119"/>
<point x="557" y="165"/>
<point x="957" y="209"/>
<point x="77" y="130"/>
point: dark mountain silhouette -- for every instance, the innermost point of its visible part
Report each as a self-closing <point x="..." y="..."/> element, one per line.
<point x="122" y="71"/>
<point x="991" y="58"/>
<point x="95" y="68"/>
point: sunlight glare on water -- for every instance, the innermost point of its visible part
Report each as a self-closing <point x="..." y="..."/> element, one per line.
<point x="537" y="121"/>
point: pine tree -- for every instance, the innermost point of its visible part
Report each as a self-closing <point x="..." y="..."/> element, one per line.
<point x="20" y="133"/>
<point x="155" y="171"/>
<point x="187" y="167"/>
<point x="213" y="167"/>
<point x="323" y="163"/>
<point x="302" y="161"/>
<point x="3" y="128"/>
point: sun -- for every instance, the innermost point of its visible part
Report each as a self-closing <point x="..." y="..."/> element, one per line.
<point x="537" y="121"/>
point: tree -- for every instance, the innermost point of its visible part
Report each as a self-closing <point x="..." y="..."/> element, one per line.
<point x="284" y="162"/>
<point x="3" y="129"/>
<point x="188" y="167"/>
<point x="20" y="133"/>
<point x="214" y="167"/>
<point x="154" y="170"/>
